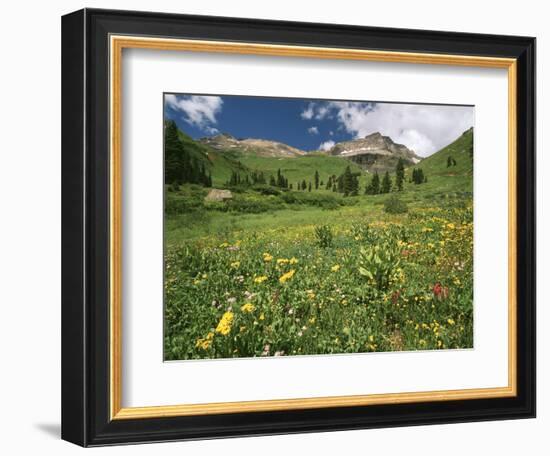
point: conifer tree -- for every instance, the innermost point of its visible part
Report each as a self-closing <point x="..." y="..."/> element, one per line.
<point x="399" y="174"/>
<point x="374" y="187"/>
<point x="386" y="183"/>
<point x="316" y="178"/>
<point x="173" y="154"/>
<point x="309" y="187"/>
<point x="418" y="176"/>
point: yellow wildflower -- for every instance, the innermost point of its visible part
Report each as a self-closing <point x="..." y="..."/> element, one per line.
<point x="235" y="264"/>
<point x="335" y="268"/>
<point x="267" y="257"/>
<point x="282" y="260"/>
<point x="371" y="338"/>
<point x="248" y="307"/>
<point x="224" y="326"/>
<point x="293" y="260"/>
<point x="451" y="321"/>
<point x="260" y="279"/>
<point x="287" y="276"/>
<point x="451" y="226"/>
<point x="205" y="343"/>
<point x="262" y="316"/>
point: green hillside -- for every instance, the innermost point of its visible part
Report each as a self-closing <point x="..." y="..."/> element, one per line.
<point x="444" y="182"/>
<point x="221" y="163"/>
<point x="218" y="163"/>
<point x="300" y="168"/>
<point x="459" y="150"/>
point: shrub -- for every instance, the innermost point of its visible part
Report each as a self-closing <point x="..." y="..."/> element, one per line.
<point x="186" y="199"/>
<point x="394" y="205"/>
<point x="174" y="187"/>
<point x="266" y="190"/>
<point x="254" y="206"/>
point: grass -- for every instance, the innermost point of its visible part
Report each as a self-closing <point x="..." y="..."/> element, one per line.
<point x="300" y="168"/>
<point x="316" y="273"/>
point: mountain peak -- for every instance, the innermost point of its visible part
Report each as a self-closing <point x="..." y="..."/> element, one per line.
<point x="375" y="152"/>
<point x="223" y="135"/>
<point x="251" y="146"/>
<point x="374" y="135"/>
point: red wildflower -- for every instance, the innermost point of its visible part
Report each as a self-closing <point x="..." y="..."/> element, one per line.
<point x="440" y="292"/>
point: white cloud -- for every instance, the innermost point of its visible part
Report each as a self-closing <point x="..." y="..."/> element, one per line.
<point x="313" y="130"/>
<point x="308" y="113"/>
<point x="198" y="110"/>
<point x="327" y="145"/>
<point x="423" y="128"/>
<point x="322" y="112"/>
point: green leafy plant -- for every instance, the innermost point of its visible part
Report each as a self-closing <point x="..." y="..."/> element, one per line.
<point x="324" y="236"/>
<point x="379" y="263"/>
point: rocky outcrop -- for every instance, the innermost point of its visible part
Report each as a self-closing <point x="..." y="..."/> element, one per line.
<point x="218" y="195"/>
<point x="252" y="146"/>
<point x="375" y="152"/>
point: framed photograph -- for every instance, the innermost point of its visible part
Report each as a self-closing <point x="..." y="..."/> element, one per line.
<point x="277" y="227"/>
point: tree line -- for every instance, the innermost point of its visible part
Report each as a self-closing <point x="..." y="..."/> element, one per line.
<point x="346" y="183"/>
<point x="180" y="167"/>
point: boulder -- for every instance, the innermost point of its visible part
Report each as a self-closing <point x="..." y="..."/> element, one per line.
<point x="218" y="195"/>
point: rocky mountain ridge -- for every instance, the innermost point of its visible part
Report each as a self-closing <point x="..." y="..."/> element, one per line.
<point x="374" y="152"/>
<point x="259" y="147"/>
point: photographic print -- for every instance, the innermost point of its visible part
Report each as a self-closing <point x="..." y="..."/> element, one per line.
<point x="306" y="227"/>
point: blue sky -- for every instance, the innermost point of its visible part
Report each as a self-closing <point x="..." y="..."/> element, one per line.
<point x="318" y="124"/>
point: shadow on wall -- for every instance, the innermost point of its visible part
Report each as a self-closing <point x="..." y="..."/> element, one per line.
<point x="51" y="429"/>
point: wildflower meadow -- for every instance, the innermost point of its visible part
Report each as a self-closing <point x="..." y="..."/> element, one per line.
<point x="402" y="283"/>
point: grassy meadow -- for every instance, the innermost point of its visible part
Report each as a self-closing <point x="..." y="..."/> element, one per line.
<point x="285" y="272"/>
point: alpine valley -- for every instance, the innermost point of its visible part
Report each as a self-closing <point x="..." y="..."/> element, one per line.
<point x="271" y="250"/>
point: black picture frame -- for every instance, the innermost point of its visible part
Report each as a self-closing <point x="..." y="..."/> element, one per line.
<point x="85" y="228"/>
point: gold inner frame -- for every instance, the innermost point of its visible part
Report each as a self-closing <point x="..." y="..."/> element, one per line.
<point x="117" y="44"/>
